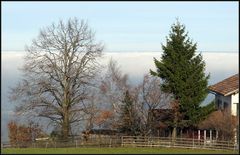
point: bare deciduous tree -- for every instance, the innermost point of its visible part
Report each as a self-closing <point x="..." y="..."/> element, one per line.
<point x="60" y="66"/>
<point x="112" y="89"/>
<point x="223" y="122"/>
<point x="150" y="97"/>
<point x="146" y="97"/>
<point x="92" y="109"/>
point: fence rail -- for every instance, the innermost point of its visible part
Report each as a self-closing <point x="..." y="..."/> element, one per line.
<point x="97" y="141"/>
<point x="135" y="141"/>
<point x="130" y="141"/>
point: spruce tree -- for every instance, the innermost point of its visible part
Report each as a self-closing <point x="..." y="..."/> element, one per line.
<point x="128" y="118"/>
<point x="182" y="72"/>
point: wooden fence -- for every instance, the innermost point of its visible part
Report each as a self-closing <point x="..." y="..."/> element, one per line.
<point x="136" y="141"/>
<point x="130" y="141"/>
<point x="95" y="141"/>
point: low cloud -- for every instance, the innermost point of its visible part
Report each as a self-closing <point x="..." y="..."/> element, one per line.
<point x="134" y="63"/>
<point x="219" y="65"/>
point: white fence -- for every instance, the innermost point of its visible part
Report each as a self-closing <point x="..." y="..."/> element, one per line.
<point x="130" y="141"/>
<point x="136" y="141"/>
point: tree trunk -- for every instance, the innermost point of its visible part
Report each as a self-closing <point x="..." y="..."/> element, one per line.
<point x="174" y="133"/>
<point x="65" y="126"/>
<point x="66" y="104"/>
<point x="66" y="123"/>
<point x="175" y="121"/>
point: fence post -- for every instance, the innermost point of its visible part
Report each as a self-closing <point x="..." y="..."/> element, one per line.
<point x="76" y="143"/>
<point x="46" y="144"/>
<point x="210" y="137"/>
<point x="199" y="137"/>
<point x="205" y="137"/>
<point x="110" y="143"/>
<point x="122" y="141"/>
<point x="148" y="141"/>
<point x="193" y="142"/>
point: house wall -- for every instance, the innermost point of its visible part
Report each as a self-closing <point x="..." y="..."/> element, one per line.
<point x="234" y="99"/>
<point x="222" y="99"/>
<point x="230" y="100"/>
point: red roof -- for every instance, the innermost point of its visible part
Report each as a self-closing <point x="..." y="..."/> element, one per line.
<point x="227" y="86"/>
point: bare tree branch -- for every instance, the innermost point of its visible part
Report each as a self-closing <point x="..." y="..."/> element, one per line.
<point x="60" y="66"/>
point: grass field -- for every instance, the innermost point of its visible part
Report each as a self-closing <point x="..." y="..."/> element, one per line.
<point x="119" y="150"/>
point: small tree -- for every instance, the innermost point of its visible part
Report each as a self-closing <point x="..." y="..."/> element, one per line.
<point x="20" y="134"/>
<point x="129" y="121"/>
<point x="105" y="119"/>
<point x="221" y="121"/>
<point x="12" y="133"/>
<point x="182" y="72"/>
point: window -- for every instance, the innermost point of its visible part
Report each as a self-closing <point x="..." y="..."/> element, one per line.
<point x="219" y="104"/>
<point x="225" y="105"/>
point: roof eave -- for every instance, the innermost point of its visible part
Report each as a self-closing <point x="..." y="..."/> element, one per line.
<point x="232" y="92"/>
<point x="227" y="94"/>
<point x="214" y="92"/>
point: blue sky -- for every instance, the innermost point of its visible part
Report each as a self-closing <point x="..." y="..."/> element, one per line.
<point x="126" y="26"/>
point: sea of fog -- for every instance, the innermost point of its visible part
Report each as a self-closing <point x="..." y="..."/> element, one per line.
<point x="219" y="65"/>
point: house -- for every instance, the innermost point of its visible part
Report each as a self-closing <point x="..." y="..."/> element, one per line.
<point x="161" y="118"/>
<point x="42" y="139"/>
<point x="226" y="94"/>
<point x="226" y="97"/>
<point x="227" y="101"/>
<point x="163" y="125"/>
<point x="98" y="133"/>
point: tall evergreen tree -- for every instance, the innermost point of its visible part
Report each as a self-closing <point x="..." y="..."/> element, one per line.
<point x="182" y="72"/>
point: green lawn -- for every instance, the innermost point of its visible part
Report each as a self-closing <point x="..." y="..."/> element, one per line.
<point x="118" y="150"/>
